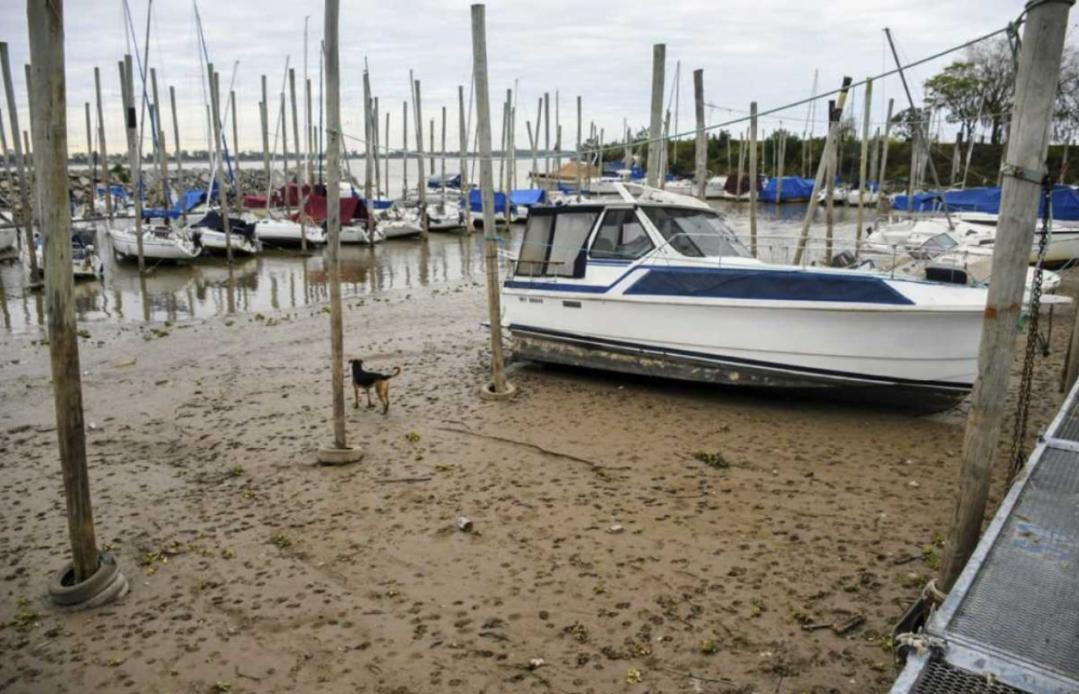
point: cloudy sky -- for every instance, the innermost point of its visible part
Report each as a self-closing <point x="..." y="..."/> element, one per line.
<point x="763" y="50"/>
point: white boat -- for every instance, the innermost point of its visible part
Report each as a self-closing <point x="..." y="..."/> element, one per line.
<point x="713" y="187"/>
<point x="85" y="263"/>
<point x="398" y="222"/>
<point x="445" y="214"/>
<point x="1062" y="246"/>
<point x="158" y="243"/>
<point x="661" y="286"/>
<point x="210" y="232"/>
<point x="7" y="239"/>
<point x="357" y="233"/>
<point x="869" y="197"/>
<point x="285" y="232"/>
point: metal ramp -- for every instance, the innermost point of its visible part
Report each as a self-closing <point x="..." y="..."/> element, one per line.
<point x="1011" y="622"/>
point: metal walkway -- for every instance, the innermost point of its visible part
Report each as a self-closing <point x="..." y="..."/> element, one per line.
<point x="1011" y="622"/>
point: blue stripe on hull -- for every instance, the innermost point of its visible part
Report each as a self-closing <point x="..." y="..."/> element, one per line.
<point x="740" y="283"/>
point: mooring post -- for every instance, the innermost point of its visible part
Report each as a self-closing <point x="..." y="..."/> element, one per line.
<point x="370" y="142"/>
<point x="127" y="80"/>
<point x="442" y="166"/>
<point x="101" y="143"/>
<point x="26" y="216"/>
<point x="376" y="137"/>
<point x="499" y="387"/>
<point x="741" y="164"/>
<point x="781" y="161"/>
<point x="701" y="168"/>
<point x="235" y="141"/>
<point x="462" y="146"/>
<point x="421" y="177"/>
<point x="264" y="116"/>
<point x="404" y="150"/>
<point x="339" y="452"/>
<point x="863" y="162"/>
<point x="160" y="137"/>
<point x="179" y="152"/>
<point x="830" y="156"/>
<point x="1035" y="92"/>
<point x="659" y="57"/>
<point x="49" y="124"/>
<point x="284" y="160"/>
<point x="301" y="172"/>
<point x="753" y="178"/>
<point x="386" y="158"/>
<point x="884" y="143"/>
<point x="578" y="167"/>
<point x="822" y="167"/>
<point x="222" y="196"/>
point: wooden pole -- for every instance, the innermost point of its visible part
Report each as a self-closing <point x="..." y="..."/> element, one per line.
<point x="830" y="155"/>
<point x="176" y="146"/>
<point x="91" y="159"/>
<point x="741" y="164"/>
<point x="309" y="124"/>
<point x="884" y="143"/>
<point x="127" y="79"/>
<point x="664" y="152"/>
<point x="404" y="149"/>
<point x="547" y="137"/>
<point x="753" y="178"/>
<point x="431" y="146"/>
<point x="462" y="146"/>
<point x="421" y="178"/>
<point x="1035" y="92"/>
<point x="578" y="167"/>
<point x="49" y="123"/>
<point x="222" y="196"/>
<point x="264" y="113"/>
<point x="701" y="158"/>
<point x="163" y="157"/>
<point x="26" y="216"/>
<point x="781" y="161"/>
<point x="386" y="155"/>
<point x="333" y="219"/>
<point x="376" y="137"/>
<point x="368" y="147"/>
<point x="284" y="159"/>
<point x="811" y="208"/>
<point x="863" y="160"/>
<point x="235" y="139"/>
<point x="101" y="141"/>
<point x="659" y="57"/>
<point x="300" y="177"/>
<point x="442" y="169"/>
<point x="483" y="125"/>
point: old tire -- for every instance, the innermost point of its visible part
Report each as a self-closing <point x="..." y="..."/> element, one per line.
<point x="488" y="392"/>
<point x="64" y="591"/>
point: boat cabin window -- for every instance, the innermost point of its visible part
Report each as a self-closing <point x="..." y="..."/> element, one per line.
<point x="621" y="236"/>
<point x="553" y="244"/>
<point x="695" y="233"/>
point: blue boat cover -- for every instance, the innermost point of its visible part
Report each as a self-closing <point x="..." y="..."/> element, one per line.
<point x="1065" y="201"/>
<point x="794" y="188"/>
<point x="528" y="196"/>
<point x="188" y="201"/>
<point x="612" y="169"/>
<point x="475" y="201"/>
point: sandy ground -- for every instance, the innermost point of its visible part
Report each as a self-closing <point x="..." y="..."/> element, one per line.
<point x="601" y="544"/>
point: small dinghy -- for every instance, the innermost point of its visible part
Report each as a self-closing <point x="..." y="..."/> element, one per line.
<point x="85" y="263"/>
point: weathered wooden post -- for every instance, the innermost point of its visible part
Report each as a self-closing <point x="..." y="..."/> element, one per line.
<point x="264" y="118"/>
<point x="1035" y="91"/>
<point x="127" y="80"/>
<point x="386" y="155"/>
<point x="421" y="177"/>
<point x="101" y="140"/>
<point x="863" y="161"/>
<point x="753" y="178"/>
<point x="73" y="585"/>
<point x="498" y="388"/>
<point x="91" y="158"/>
<point x="781" y="161"/>
<point x="659" y="57"/>
<point x="26" y="217"/>
<point x="881" y="200"/>
<point x="339" y="452"/>
<point x="404" y="149"/>
<point x="701" y="169"/>
<point x="179" y="152"/>
<point x="578" y="167"/>
<point x="462" y="146"/>
<point x="284" y="159"/>
<point x="163" y="157"/>
<point x="547" y="137"/>
<point x="442" y="167"/>
<point x="830" y="156"/>
<point x="370" y="143"/>
<point x="301" y="174"/>
<point x="822" y="167"/>
<point x="219" y="172"/>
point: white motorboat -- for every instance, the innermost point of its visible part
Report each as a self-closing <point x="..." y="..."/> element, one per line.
<point x="85" y="263"/>
<point x="444" y="215"/>
<point x="285" y="232"/>
<point x="660" y="285"/>
<point x="210" y="231"/>
<point x="1062" y="245"/>
<point x="398" y="222"/>
<point x="869" y="197"/>
<point x="713" y="187"/>
<point x="159" y="242"/>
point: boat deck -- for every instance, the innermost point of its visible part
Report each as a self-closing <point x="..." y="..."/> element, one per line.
<point x="1011" y="622"/>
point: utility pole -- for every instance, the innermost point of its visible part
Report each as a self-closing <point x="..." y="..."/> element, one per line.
<point x="49" y="124"/>
<point x="1032" y="112"/>
<point x="702" y="138"/>
<point x="339" y="452"/>
<point x="499" y="388"/>
<point x="659" y="56"/>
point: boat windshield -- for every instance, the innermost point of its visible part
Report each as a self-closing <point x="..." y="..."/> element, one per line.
<point x="695" y="233"/>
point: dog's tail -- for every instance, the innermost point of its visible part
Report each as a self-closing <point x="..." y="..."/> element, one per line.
<point x="396" y="371"/>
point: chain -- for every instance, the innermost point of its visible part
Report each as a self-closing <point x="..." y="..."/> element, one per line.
<point x="1026" y="383"/>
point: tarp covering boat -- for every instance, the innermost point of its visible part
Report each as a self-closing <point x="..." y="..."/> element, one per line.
<point x="213" y="220"/>
<point x="528" y="196"/>
<point x="795" y="188"/>
<point x="352" y="209"/>
<point x="475" y="201"/>
<point x="1065" y="201"/>
<point x="187" y="202"/>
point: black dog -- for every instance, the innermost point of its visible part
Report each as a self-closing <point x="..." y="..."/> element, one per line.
<point x="371" y="379"/>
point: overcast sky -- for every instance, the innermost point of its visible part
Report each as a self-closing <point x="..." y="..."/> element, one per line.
<point x="763" y="50"/>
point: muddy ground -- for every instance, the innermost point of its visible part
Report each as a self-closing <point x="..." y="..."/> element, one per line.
<point x="601" y="544"/>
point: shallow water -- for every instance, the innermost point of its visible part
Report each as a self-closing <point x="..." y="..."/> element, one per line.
<point x="282" y="279"/>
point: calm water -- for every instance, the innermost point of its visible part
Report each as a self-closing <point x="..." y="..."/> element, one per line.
<point x="282" y="280"/>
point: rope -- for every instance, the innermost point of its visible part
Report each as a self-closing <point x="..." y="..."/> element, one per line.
<point x="1026" y="383"/>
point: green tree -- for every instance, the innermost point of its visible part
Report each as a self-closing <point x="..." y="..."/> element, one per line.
<point x="957" y="90"/>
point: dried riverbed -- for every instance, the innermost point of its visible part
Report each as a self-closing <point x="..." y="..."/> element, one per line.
<point x="604" y="551"/>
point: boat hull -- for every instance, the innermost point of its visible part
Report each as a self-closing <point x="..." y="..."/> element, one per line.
<point x="155" y="247"/>
<point x="279" y="232"/>
<point x="214" y="241"/>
